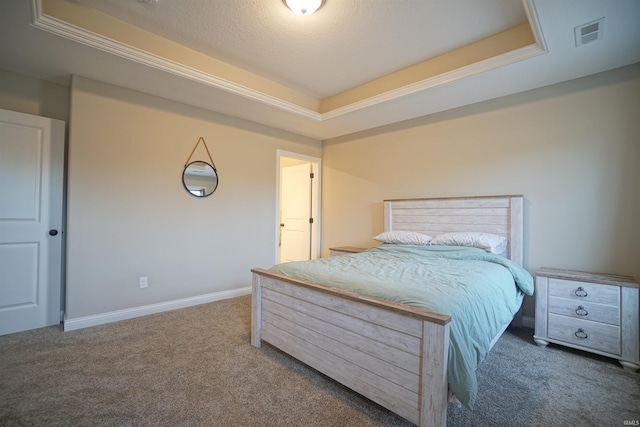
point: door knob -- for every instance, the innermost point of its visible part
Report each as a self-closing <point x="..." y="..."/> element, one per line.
<point x="53" y="232"/>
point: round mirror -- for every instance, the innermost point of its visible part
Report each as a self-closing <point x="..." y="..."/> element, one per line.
<point x="200" y="179"/>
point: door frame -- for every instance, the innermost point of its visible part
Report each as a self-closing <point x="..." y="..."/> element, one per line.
<point x="316" y="164"/>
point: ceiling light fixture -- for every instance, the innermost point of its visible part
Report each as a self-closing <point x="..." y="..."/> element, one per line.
<point x="303" y="7"/>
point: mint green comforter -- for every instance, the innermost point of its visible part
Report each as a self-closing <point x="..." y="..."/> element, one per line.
<point x="479" y="290"/>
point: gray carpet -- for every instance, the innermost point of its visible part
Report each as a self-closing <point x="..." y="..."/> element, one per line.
<point x="196" y="367"/>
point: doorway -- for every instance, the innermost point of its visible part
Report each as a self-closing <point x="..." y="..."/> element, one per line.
<point x="298" y="207"/>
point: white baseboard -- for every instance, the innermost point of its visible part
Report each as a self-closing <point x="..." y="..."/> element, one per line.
<point x="130" y="313"/>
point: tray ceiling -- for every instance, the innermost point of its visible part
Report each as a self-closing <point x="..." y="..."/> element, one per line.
<point x="352" y="66"/>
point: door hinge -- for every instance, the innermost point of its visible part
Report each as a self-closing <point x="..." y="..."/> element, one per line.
<point x="310" y="220"/>
<point x="311" y="175"/>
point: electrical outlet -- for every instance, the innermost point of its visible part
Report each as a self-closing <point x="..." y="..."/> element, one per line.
<point x="144" y="282"/>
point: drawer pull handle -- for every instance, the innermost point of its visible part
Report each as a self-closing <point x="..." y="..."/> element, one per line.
<point x="580" y="311"/>
<point x="580" y="292"/>
<point x="581" y="334"/>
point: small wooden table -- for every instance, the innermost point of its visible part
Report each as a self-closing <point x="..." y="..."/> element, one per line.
<point x="345" y="250"/>
<point x="589" y="311"/>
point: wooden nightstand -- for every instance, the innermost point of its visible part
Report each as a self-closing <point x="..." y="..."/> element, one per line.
<point x="345" y="250"/>
<point x="591" y="312"/>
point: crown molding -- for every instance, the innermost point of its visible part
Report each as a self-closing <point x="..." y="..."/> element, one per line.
<point x="439" y="80"/>
<point x="72" y="32"/>
<point x="534" y="22"/>
<point x="527" y="52"/>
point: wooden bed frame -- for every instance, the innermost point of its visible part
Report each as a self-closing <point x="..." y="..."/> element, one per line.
<point x="393" y="354"/>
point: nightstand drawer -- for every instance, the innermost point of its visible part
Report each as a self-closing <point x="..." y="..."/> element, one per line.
<point x="585" y="310"/>
<point x="589" y="311"/>
<point x="585" y="333"/>
<point x="584" y="291"/>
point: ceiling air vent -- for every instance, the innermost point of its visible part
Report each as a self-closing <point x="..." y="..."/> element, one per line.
<point x="590" y="32"/>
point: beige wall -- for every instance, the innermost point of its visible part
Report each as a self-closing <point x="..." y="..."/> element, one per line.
<point x="572" y="149"/>
<point x="129" y="215"/>
<point x="32" y="96"/>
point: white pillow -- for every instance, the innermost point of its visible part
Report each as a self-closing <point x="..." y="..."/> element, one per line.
<point x="403" y="238"/>
<point x="489" y="242"/>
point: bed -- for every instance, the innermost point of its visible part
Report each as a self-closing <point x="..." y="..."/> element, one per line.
<point x="396" y="354"/>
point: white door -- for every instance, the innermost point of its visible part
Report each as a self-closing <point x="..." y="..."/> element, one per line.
<point x="295" y="203"/>
<point x="31" y="181"/>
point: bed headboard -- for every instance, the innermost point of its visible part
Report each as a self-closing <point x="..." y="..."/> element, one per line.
<point x="502" y="215"/>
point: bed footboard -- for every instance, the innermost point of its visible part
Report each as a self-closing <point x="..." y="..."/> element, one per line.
<point x="389" y="353"/>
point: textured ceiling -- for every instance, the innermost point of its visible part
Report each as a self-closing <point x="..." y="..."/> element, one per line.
<point x="345" y="44"/>
<point x="257" y="61"/>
